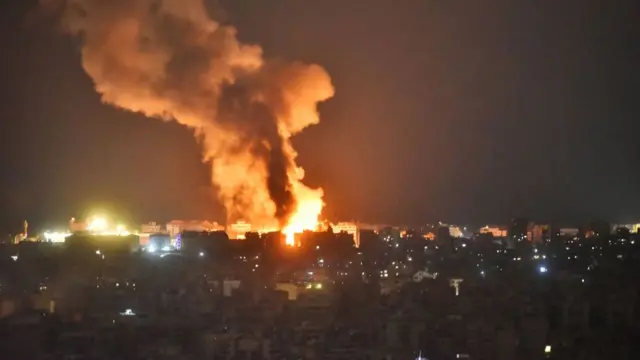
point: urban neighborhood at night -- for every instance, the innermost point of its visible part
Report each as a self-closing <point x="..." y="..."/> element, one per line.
<point x="193" y="289"/>
<point x="319" y="180"/>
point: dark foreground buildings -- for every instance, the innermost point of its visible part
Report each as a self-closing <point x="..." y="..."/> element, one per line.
<point x="391" y="298"/>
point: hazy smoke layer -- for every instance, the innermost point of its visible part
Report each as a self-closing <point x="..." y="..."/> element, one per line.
<point x="169" y="60"/>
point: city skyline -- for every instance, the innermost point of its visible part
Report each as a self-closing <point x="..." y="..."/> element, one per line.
<point x="319" y="179"/>
<point x="531" y="116"/>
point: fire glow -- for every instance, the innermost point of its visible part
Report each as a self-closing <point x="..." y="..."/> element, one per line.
<point x="169" y="60"/>
<point x="309" y="207"/>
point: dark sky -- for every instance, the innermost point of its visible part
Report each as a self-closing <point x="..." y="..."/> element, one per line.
<point x="469" y="111"/>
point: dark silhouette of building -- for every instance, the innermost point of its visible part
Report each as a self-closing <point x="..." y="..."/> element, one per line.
<point x="518" y="228"/>
<point x="444" y="239"/>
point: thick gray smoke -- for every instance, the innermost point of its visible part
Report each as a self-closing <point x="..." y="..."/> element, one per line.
<point x="169" y="60"/>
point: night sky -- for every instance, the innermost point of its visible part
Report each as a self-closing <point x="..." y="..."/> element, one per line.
<point x="464" y="111"/>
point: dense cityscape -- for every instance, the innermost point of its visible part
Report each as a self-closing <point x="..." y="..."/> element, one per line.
<point x="186" y="290"/>
<point x="321" y="142"/>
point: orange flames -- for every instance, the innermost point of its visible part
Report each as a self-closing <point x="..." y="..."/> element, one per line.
<point x="309" y="204"/>
<point x="169" y="60"/>
<point x="306" y="214"/>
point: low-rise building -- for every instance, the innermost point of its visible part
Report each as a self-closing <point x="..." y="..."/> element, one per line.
<point x="496" y="231"/>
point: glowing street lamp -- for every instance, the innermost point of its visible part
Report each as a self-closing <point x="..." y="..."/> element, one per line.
<point x="455" y="283"/>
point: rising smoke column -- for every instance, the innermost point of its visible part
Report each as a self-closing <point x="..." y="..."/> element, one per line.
<point x="169" y="60"/>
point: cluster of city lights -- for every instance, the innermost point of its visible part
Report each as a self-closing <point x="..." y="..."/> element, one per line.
<point x="55" y="236"/>
<point x="152" y="248"/>
<point x="97" y="225"/>
<point x="316" y="286"/>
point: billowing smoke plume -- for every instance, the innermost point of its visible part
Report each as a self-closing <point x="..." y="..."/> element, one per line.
<point x="169" y="60"/>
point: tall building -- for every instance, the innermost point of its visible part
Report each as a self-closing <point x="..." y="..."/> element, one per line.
<point x="151" y="228"/>
<point x="389" y="234"/>
<point x="538" y="232"/>
<point x="600" y="228"/>
<point x="518" y="228"/>
<point x="444" y="239"/>
<point x="348" y="228"/>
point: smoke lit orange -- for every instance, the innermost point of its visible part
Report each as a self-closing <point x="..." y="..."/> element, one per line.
<point x="170" y="60"/>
